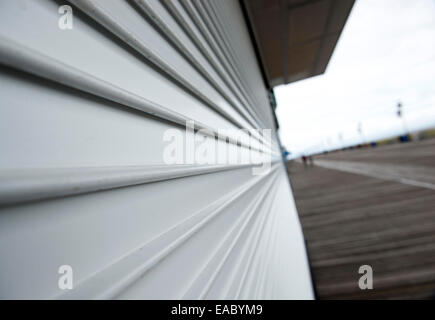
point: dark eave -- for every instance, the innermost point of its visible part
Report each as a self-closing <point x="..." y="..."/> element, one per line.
<point x="296" y="38"/>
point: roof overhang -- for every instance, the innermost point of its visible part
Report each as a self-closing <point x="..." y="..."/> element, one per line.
<point x="296" y="38"/>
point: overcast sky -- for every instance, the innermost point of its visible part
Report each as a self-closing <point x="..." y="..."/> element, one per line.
<point x="386" y="54"/>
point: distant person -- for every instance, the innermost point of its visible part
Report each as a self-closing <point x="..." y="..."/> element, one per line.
<point x="310" y="160"/>
<point x="304" y="160"/>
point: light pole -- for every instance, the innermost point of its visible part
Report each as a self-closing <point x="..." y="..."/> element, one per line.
<point x="400" y="115"/>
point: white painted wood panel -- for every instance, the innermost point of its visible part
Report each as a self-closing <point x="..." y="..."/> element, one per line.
<point x="83" y="181"/>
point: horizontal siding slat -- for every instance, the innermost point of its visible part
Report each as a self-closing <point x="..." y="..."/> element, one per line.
<point x="19" y="57"/>
<point x="215" y="48"/>
<point x="135" y="265"/>
<point x="99" y="12"/>
<point x="156" y="13"/>
<point x="105" y="57"/>
<point x="23" y="185"/>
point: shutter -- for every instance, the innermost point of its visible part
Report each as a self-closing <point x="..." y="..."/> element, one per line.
<point x="83" y="180"/>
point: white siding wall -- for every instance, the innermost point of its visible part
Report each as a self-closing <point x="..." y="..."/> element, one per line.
<point x="82" y="177"/>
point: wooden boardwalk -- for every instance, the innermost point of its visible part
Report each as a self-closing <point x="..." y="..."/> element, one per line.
<point x="352" y="219"/>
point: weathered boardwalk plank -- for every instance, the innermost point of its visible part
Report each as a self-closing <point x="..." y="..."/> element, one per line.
<point x="351" y="220"/>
